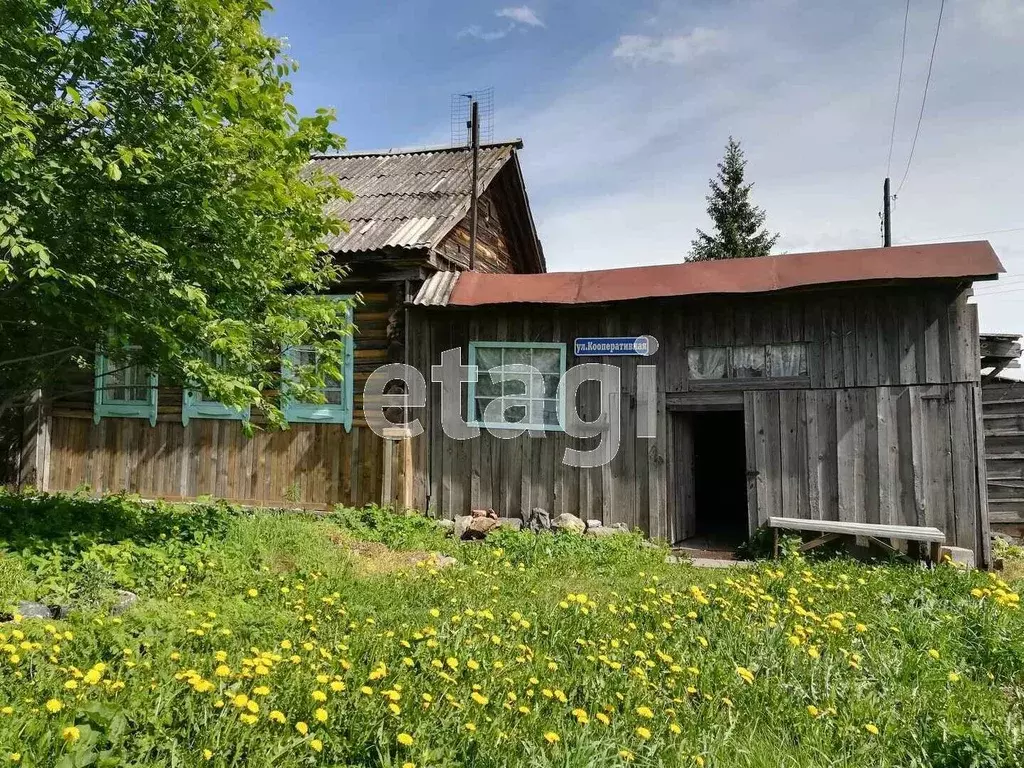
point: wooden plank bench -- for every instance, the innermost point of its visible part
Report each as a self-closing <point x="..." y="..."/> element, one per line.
<point x="874" y="532"/>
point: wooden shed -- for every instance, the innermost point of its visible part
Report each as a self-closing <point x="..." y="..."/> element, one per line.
<point x="1003" y="415"/>
<point x="836" y="385"/>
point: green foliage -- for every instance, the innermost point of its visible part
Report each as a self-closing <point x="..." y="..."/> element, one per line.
<point x="738" y="222"/>
<point x="780" y="664"/>
<point x="153" y="193"/>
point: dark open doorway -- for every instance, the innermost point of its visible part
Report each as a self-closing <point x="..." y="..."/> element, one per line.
<point x="720" y="477"/>
<point x="711" y="479"/>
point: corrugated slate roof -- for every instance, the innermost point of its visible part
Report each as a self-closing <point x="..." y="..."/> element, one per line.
<point x="406" y="198"/>
<point x="971" y="260"/>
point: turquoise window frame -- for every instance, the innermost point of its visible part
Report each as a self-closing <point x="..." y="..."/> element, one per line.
<point x="473" y="421"/>
<point x="193" y="406"/>
<point x="121" y="409"/>
<point x="326" y="413"/>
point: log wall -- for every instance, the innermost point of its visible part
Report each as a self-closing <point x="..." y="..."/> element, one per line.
<point x="1003" y="411"/>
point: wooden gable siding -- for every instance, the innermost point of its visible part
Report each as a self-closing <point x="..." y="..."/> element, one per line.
<point x="307" y="464"/>
<point x="1003" y="414"/>
<point x="884" y="423"/>
<point x="502" y="235"/>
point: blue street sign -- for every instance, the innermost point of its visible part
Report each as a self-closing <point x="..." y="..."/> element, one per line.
<point x="598" y="346"/>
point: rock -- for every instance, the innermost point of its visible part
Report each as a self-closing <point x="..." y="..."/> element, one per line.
<point x="30" y="610"/>
<point x="594" y="524"/>
<point x="512" y="523"/>
<point x="488" y="513"/>
<point x="568" y="523"/>
<point x="479" y="527"/>
<point x="461" y="525"/>
<point x="1003" y="537"/>
<point x="619" y="527"/>
<point x="442" y="561"/>
<point x="125" y="600"/>
<point x="958" y="556"/>
<point x="540" y="520"/>
<point x="446" y="525"/>
<point x="599" y="531"/>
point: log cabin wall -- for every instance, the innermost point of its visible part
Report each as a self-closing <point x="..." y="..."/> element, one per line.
<point x="884" y="428"/>
<point x="311" y="465"/>
<point x="1003" y="414"/>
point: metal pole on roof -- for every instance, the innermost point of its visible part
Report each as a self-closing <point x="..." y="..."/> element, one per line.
<point x="886" y="215"/>
<point x="474" y="127"/>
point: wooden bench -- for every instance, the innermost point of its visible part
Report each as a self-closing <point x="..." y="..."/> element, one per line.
<point x="874" y="532"/>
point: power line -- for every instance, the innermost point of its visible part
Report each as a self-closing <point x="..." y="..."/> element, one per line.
<point x="924" y="97"/>
<point x="971" y="234"/>
<point x="899" y="87"/>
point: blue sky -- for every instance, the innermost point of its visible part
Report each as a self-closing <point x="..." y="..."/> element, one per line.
<point x="624" y="108"/>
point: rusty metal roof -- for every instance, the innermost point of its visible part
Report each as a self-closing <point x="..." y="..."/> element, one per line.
<point x="406" y="198"/>
<point x="970" y="260"/>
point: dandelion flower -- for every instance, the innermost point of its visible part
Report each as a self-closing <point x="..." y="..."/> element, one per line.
<point x="745" y="674"/>
<point x="933" y="653"/>
<point x="645" y="712"/>
<point x="551" y="737"/>
<point x="405" y="739"/>
<point x="316" y="745"/>
<point x="626" y="755"/>
<point x="71" y="734"/>
<point x="319" y="696"/>
<point x="470" y="727"/>
<point x="953" y="677"/>
<point x="301" y="727"/>
<point x="871" y="728"/>
<point x="812" y="710"/>
<point x="207" y="755"/>
<point x="277" y="716"/>
<point x="643" y="733"/>
<point x="320" y="715"/>
<point x="53" y="706"/>
<point x="479" y="698"/>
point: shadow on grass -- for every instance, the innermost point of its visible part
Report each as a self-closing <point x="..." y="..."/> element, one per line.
<point x="74" y="522"/>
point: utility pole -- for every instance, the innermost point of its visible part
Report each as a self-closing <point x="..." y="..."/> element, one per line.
<point x="474" y="129"/>
<point x="886" y="215"/>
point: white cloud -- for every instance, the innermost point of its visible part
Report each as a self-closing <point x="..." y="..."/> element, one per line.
<point x="678" y="49"/>
<point x="521" y="14"/>
<point x="488" y="35"/>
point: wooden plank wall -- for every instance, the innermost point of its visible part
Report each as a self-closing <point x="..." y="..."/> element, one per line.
<point x="881" y="429"/>
<point x="1003" y="416"/>
<point x="308" y="464"/>
<point x="900" y="455"/>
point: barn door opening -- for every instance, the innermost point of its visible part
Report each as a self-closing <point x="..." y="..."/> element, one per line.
<point x="711" y="492"/>
<point x="720" y="473"/>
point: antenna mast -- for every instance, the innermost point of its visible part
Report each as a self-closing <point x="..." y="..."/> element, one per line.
<point x="472" y="118"/>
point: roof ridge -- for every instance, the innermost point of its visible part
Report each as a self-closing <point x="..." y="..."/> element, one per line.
<point x="517" y="143"/>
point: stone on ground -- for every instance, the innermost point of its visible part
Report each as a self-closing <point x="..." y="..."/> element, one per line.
<point x="568" y="523"/>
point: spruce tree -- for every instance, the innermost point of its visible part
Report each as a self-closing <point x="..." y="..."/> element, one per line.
<point x="738" y="222"/>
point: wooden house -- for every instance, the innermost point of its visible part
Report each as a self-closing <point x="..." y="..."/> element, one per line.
<point x="1003" y="416"/>
<point x="838" y="385"/>
<point x="408" y="220"/>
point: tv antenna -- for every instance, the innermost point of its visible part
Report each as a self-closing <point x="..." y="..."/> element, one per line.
<point x="461" y="113"/>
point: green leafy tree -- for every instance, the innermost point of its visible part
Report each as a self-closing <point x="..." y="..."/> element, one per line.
<point x="154" y="198"/>
<point x="738" y="223"/>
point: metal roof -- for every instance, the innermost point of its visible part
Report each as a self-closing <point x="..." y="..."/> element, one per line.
<point x="436" y="289"/>
<point x="406" y="198"/>
<point x="971" y="260"/>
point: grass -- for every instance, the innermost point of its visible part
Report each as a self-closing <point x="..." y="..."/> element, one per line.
<point x="271" y="639"/>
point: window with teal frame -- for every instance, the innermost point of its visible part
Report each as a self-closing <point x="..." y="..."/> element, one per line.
<point x="522" y="379"/>
<point x="123" y="391"/>
<point x="195" y="404"/>
<point x="338" y="396"/>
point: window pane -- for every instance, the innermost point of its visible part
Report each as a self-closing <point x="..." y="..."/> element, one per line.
<point x="787" y="360"/>
<point x="551" y="385"/>
<point x="514" y="380"/>
<point x="515" y="411"/>
<point x="487" y="357"/>
<point x="125" y="384"/>
<point x="489" y="382"/>
<point x="516" y="356"/>
<point x="333" y="396"/>
<point x="748" y="362"/>
<point x="707" y="362"/>
<point x="547" y="360"/>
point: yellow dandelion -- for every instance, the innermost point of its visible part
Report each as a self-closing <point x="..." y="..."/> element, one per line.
<point x="405" y="739"/>
<point x="207" y="755"/>
<point x="933" y="653"/>
<point x="319" y="696"/>
<point x="301" y="727"/>
<point x="320" y="715"/>
<point x="53" y="706"/>
<point x="277" y="716"/>
<point x="71" y="734"/>
<point x="645" y="712"/>
<point x="871" y="728"/>
<point x="551" y="737"/>
<point x="745" y="674"/>
<point x="479" y="698"/>
<point x="603" y="718"/>
<point x="812" y="710"/>
<point x="471" y="727"/>
<point x="643" y="733"/>
<point x="316" y="745"/>
<point x="626" y="755"/>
